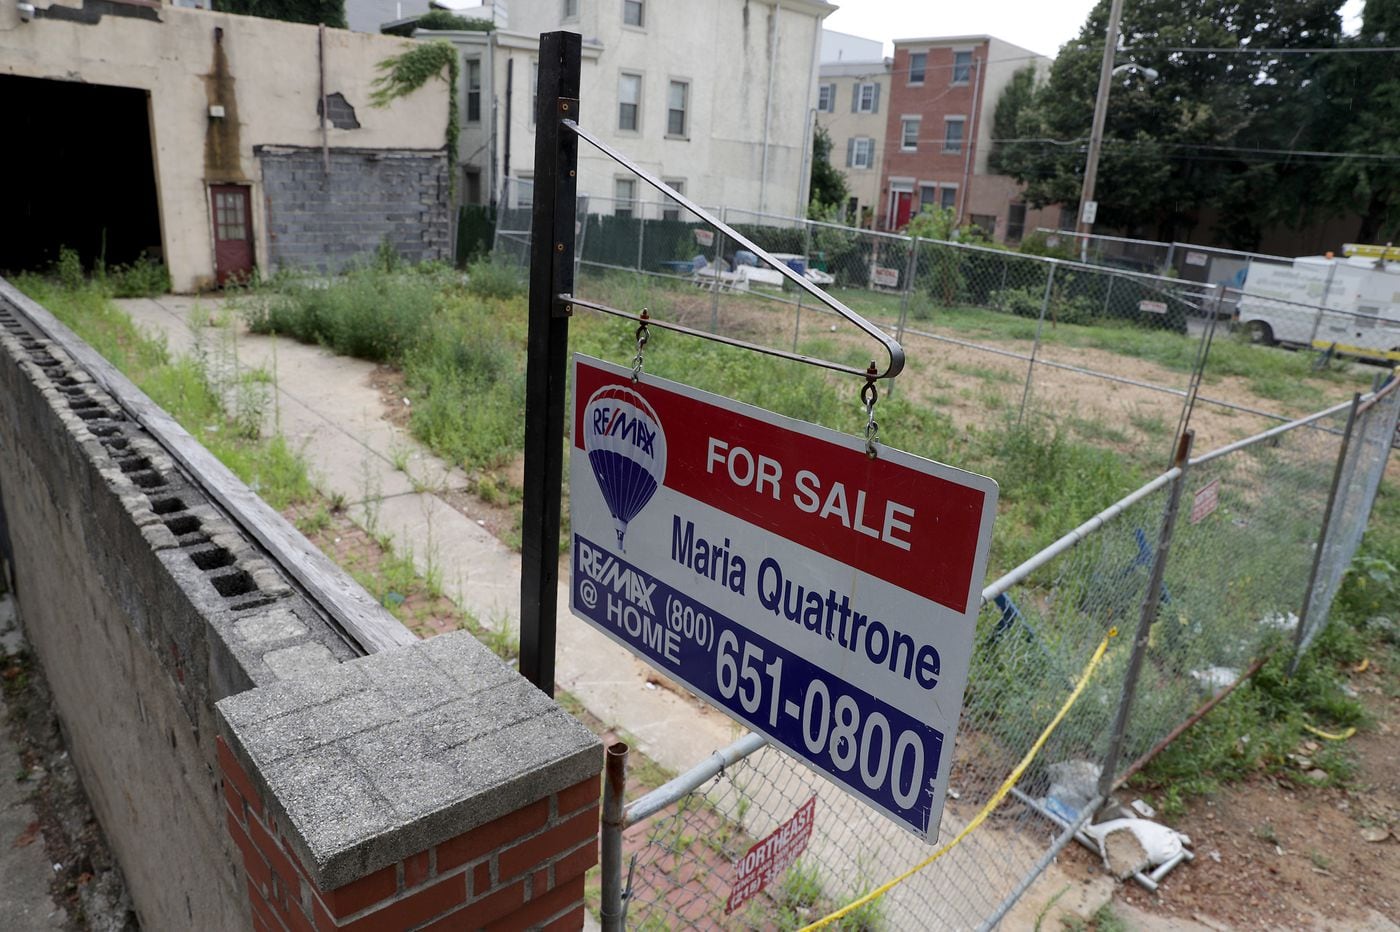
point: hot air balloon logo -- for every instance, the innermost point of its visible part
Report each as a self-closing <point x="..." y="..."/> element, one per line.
<point x="627" y="450"/>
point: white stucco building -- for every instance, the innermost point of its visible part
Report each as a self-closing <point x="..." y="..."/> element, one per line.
<point x="714" y="96"/>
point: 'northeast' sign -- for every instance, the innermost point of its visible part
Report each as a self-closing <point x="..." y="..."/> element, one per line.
<point x="823" y="598"/>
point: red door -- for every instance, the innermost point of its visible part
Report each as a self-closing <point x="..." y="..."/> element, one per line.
<point x="233" y="232"/>
<point x="903" y="208"/>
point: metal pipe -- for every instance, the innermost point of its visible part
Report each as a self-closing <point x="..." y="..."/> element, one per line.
<point x="321" y="62"/>
<point x="1076" y="536"/>
<point x="1195" y="717"/>
<point x="891" y="346"/>
<point x="692" y="779"/>
<point x="1269" y="434"/>
<point x="1035" y="346"/>
<point x="1064" y="838"/>
<point x="1151" y="602"/>
<point x="1304" y="612"/>
<point x="610" y="841"/>
<point x="971" y="142"/>
<point x="911" y="270"/>
<point x="768" y="99"/>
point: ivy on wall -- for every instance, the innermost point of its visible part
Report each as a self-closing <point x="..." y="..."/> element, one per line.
<point x="403" y="74"/>
<point x="330" y="12"/>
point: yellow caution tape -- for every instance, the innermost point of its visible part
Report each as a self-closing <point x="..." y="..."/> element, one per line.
<point x="992" y="803"/>
<point x="1328" y="735"/>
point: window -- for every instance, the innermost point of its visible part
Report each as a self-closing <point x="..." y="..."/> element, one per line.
<point x="677" y="97"/>
<point x="473" y="90"/>
<point x="670" y="210"/>
<point x="473" y="185"/>
<point x="909" y="134"/>
<point x="853" y="209"/>
<point x="860" y="152"/>
<point x="953" y="134"/>
<point x="987" y="223"/>
<point x="525" y="192"/>
<point x="950" y="196"/>
<point x="629" y="101"/>
<point x="962" y="67"/>
<point x="534" y="90"/>
<point x="571" y="9"/>
<point x="230" y="216"/>
<point x="928" y="196"/>
<point x="624" y="192"/>
<point x="632" y="13"/>
<point x="865" y="98"/>
<point x="1015" y="223"/>
<point x="918" y="62"/>
<point x="826" y="98"/>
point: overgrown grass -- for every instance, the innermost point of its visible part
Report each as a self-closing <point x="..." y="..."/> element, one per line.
<point x="269" y="465"/>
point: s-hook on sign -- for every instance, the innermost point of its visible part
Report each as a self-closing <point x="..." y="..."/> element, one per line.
<point x="821" y="597"/>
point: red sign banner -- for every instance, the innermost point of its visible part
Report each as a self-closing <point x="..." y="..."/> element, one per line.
<point x="767" y="860"/>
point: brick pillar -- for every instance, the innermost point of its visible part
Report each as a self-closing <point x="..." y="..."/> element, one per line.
<point x="508" y="850"/>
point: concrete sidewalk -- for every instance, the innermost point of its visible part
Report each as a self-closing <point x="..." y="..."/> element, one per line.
<point x="25" y="902"/>
<point x="326" y="406"/>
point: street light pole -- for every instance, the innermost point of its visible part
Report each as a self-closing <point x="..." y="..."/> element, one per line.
<point x="1091" y="165"/>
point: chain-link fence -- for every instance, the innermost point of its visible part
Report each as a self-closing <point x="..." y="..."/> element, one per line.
<point x="1235" y="576"/>
<point x="1016" y="334"/>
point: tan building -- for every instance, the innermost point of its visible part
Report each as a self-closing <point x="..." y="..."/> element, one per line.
<point x="852" y="103"/>
<point x="135" y="128"/>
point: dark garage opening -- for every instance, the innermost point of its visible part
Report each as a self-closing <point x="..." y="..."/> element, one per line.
<point x="76" y="171"/>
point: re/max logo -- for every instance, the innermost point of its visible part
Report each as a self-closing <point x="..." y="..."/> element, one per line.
<point x="615" y="422"/>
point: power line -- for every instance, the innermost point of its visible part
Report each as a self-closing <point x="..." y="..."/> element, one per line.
<point x="1251" y="50"/>
<point x="1248" y="150"/>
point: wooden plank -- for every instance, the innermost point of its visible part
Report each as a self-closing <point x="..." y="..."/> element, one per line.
<point x="364" y="620"/>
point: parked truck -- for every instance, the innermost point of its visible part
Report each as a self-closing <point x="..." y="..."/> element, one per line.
<point x="1350" y="303"/>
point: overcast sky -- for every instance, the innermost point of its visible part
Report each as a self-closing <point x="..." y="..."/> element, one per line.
<point x="1039" y="25"/>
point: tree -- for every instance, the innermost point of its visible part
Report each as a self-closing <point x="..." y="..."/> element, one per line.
<point x="330" y="12"/>
<point x="1015" y="100"/>
<point x="1181" y="142"/>
<point x="1365" y="118"/>
<point x="828" y="184"/>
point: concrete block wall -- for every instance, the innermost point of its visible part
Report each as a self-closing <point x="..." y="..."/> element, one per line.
<point x="246" y="760"/>
<point x="326" y="221"/>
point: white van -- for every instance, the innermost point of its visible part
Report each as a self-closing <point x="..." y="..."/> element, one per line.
<point x="1351" y="303"/>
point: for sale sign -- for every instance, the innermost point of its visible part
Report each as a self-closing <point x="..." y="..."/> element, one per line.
<point x="822" y="597"/>
<point x="767" y="860"/>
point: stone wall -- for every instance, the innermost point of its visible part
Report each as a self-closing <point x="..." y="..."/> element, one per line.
<point x="240" y="751"/>
<point x="326" y="221"/>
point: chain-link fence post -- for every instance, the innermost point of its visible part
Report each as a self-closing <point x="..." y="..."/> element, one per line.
<point x="1151" y="602"/>
<point x="641" y="231"/>
<point x="909" y="271"/>
<point x="1035" y="347"/>
<point x="582" y="233"/>
<point x="614" y="907"/>
<point x="1300" y="635"/>
<point x="807" y="263"/>
<point x="719" y="270"/>
<point x="1322" y="305"/>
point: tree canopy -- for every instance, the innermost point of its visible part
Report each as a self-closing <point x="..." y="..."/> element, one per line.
<point x="330" y="12"/>
<point x="1225" y="130"/>
<point x="828" y="184"/>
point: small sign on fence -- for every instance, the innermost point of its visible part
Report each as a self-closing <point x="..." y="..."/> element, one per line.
<point x="883" y="277"/>
<point x="705" y="237"/>
<point x="771" y="857"/>
<point x="823" y="598"/>
<point x="1152" y="307"/>
<point x="1206" y="501"/>
<point x="1196" y="258"/>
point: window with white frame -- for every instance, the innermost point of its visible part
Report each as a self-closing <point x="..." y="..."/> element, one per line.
<point x="928" y="196"/>
<point x="918" y="64"/>
<point x="632" y="13"/>
<point x="949" y="193"/>
<point x="826" y="98"/>
<point x="865" y="97"/>
<point x="962" y="67"/>
<point x="525" y="192"/>
<point x="670" y="210"/>
<point x="473" y="90"/>
<point x="629" y="102"/>
<point x="625" y="197"/>
<point x="860" y="152"/>
<point x="571" y="9"/>
<point x="677" y="108"/>
<point x="909" y="134"/>
<point x="953" y="134"/>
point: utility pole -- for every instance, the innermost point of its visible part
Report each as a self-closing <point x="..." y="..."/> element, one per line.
<point x="1091" y="166"/>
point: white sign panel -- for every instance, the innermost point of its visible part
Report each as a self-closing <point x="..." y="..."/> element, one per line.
<point x="1091" y="212"/>
<point x="885" y="278"/>
<point x="823" y="598"/>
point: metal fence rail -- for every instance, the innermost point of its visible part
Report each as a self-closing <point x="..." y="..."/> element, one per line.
<point x="1233" y="584"/>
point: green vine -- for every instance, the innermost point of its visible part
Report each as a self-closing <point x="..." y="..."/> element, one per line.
<point x="404" y="74"/>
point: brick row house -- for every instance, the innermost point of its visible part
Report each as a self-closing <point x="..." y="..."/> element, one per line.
<point x="853" y="93"/>
<point x="938" y="134"/>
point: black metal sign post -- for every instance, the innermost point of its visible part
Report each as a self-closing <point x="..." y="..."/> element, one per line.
<point x="546" y="370"/>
